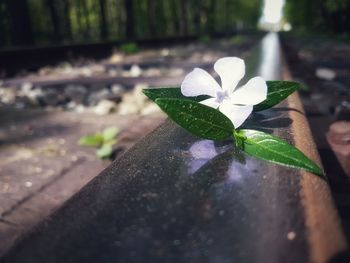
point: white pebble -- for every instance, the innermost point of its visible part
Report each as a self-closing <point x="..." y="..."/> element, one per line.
<point x="28" y="184"/>
<point x="291" y="235"/>
<point x="325" y="73"/>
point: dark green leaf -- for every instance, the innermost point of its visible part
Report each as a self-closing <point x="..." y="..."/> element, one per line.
<point x="198" y="119"/>
<point x="273" y="149"/>
<point x="105" y="151"/>
<point x="174" y="93"/>
<point x="276" y="92"/>
<point x="110" y="133"/>
<point x="91" y="140"/>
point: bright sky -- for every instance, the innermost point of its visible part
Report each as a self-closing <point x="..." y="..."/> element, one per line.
<point x="272" y="12"/>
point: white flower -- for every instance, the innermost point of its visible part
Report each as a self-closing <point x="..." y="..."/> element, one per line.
<point x="235" y="103"/>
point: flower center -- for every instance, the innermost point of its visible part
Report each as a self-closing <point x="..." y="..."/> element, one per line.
<point x="221" y="95"/>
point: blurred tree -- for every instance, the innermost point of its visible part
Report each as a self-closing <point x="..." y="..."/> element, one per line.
<point x="84" y="15"/>
<point x="211" y="12"/>
<point x="176" y="16"/>
<point x="54" y="14"/>
<point x="18" y="14"/>
<point x="152" y="17"/>
<point x="103" y="19"/>
<point x="115" y="16"/>
<point x="53" y="21"/>
<point x="3" y="25"/>
<point x="337" y="13"/>
<point x="196" y="6"/>
<point x="162" y="20"/>
<point x="247" y="13"/>
<point x="67" y="19"/>
<point x="184" y="17"/>
<point x="320" y="16"/>
<point x="129" y="19"/>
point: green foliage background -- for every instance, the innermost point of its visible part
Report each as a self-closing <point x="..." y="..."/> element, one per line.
<point x="331" y="16"/>
<point x="67" y="21"/>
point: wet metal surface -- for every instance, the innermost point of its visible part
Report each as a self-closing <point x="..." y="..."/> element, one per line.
<point x="176" y="198"/>
<point x="193" y="201"/>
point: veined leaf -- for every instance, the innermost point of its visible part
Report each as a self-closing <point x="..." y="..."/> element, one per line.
<point x="174" y="93"/>
<point x="198" y="119"/>
<point x="270" y="148"/>
<point x="91" y="140"/>
<point x="105" y="151"/>
<point x="276" y="92"/>
<point x="110" y="133"/>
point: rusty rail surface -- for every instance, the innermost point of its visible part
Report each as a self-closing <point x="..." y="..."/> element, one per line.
<point x="175" y="198"/>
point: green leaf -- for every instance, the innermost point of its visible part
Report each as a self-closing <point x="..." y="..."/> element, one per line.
<point x="110" y="133"/>
<point x="105" y="151"/>
<point x="174" y="93"/>
<point x="276" y="92"/>
<point x="110" y="142"/>
<point x="270" y="148"/>
<point x="91" y="140"/>
<point x="198" y="119"/>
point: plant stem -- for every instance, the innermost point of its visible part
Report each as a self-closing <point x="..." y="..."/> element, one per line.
<point x="239" y="139"/>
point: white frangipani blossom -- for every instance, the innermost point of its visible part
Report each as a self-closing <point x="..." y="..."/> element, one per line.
<point x="235" y="103"/>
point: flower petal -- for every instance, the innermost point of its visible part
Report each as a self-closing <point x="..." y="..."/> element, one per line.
<point x="237" y="114"/>
<point x="212" y="102"/>
<point x="252" y="93"/>
<point x="199" y="82"/>
<point x="231" y="70"/>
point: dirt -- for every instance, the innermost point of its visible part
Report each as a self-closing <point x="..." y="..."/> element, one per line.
<point x="41" y="164"/>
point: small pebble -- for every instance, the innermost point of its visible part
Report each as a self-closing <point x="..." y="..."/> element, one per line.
<point x="325" y="73"/>
<point x="28" y="184"/>
<point x="38" y="169"/>
<point x="291" y="235"/>
<point x="4" y="187"/>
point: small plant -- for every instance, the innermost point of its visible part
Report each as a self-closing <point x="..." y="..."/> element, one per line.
<point x="129" y="48"/>
<point x="103" y="141"/>
<point x="217" y="112"/>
